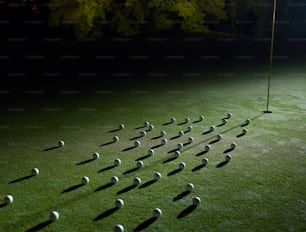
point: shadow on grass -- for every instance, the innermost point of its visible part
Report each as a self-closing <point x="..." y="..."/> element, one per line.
<point x="167" y="123"/>
<point x="182" y="123"/>
<point x="21" y="179"/>
<point x="145" y="224"/>
<point x="85" y="162"/>
<point x="136" y="137"/>
<point x="169" y="159"/>
<point x="147" y="184"/>
<point x="175" y="137"/>
<point x="105" y="186"/>
<point x="156" y="137"/>
<point x="228" y="150"/>
<point x="107" y="168"/>
<point x="139" y="127"/>
<point x="174" y="172"/>
<point x="207" y="132"/>
<point x="129" y="148"/>
<point x="197" y="168"/>
<point x="130" y="170"/>
<point x="3" y="205"/>
<point x="186" y="211"/>
<point x="107" y="143"/>
<point x="157" y="146"/>
<point x="181" y="195"/>
<point x="214" y="141"/>
<point x="173" y="150"/>
<point x="221" y="124"/>
<point x="105" y="214"/>
<point x="40" y="226"/>
<point x="74" y="187"/>
<point x="221" y="164"/>
<point x="197" y="121"/>
<point x="114" y="130"/>
<point x="240" y="135"/>
<point x="51" y="148"/>
<point x="201" y="153"/>
<point x="142" y="157"/>
<point x="126" y="189"/>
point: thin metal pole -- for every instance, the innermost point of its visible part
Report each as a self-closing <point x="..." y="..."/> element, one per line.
<point x="271" y="58"/>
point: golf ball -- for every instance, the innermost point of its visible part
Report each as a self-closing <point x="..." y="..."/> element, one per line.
<point x="139" y="164"/>
<point x="8" y="199"/>
<point x="177" y="154"/>
<point x="244" y="131"/>
<point x="181" y="133"/>
<point x="114" y="180"/>
<point x="119" y="228"/>
<point x="156" y="176"/>
<point x="212" y="128"/>
<point x="233" y="145"/>
<point x="143" y="133"/>
<point x="85" y="180"/>
<point x="119" y="203"/>
<point x="137" y="143"/>
<point x="190" y="140"/>
<point x="187" y="120"/>
<point x="163" y="133"/>
<point x="229" y="115"/>
<point x="219" y="137"/>
<point x="115" y="139"/>
<point x="207" y="148"/>
<point x="54" y="215"/>
<point x="164" y="141"/>
<point x="117" y="162"/>
<point x="205" y="161"/>
<point x="180" y="146"/>
<point x="182" y="165"/>
<point x="157" y="212"/>
<point x="201" y="118"/>
<point x="145" y="124"/>
<point x="121" y="126"/>
<point x="150" y="152"/>
<point x="137" y="181"/>
<point x="61" y="143"/>
<point x="189" y="128"/>
<point x="189" y="187"/>
<point x="151" y="127"/>
<point x="196" y="200"/>
<point x="224" y="120"/>
<point x="172" y="120"/>
<point x="228" y="157"/>
<point x="95" y="155"/>
<point x="35" y="171"/>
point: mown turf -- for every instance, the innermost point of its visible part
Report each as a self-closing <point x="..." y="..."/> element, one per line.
<point x="262" y="187"/>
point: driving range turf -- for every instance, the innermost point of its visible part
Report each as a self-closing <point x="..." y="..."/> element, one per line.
<point x="261" y="188"/>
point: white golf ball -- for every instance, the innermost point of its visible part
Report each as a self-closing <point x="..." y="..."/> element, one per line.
<point x="85" y="180"/>
<point x="157" y="212"/>
<point x="189" y="128"/>
<point x="117" y="162"/>
<point x="119" y="228"/>
<point x="244" y="131"/>
<point x="119" y="203"/>
<point x="137" y="143"/>
<point x="121" y="126"/>
<point x="61" y="143"/>
<point x="196" y="200"/>
<point x="177" y="154"/>
<point x="189" y="187"/>
<point x="143" y="133"/>
<point x="95" y="155"/>
<point x="8" y="199"/>
<point x="115" y="138"/>
<point x="182" y="165"/>
<point x="229" y="115"/>
<point x="172" y="120"/>
<point x="219" y="137"/>
<point x="201" y="118"/>
<point x="207" y="148"/>
<point x="137" y="181"/>
<point x="163" y="133"/>
<point x="180" y="146"/>
<point x="139" y="164"/>
<point x="151" y="127"/>
<point x="205" y="161"/>
<point x="181" y="133"/>
<point x="164" y="141"/>
<point x="145" y="124"/>
<point x="212" y="128"/>
<point x="187" y="120"/>
<point x="35" y="171"/>
<point x="233" y="145"/>
<point x="54" y="215"/>
<point x="228" y="157"/>
<point x="156" y="176"/>
<point x="224" y="120"/>
<point x="150" y="152"/>
<point x="114" y="180"/>
<point x="190" y="140"/>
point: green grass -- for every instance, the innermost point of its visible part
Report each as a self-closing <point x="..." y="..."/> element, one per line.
<point x="262" y="187"/>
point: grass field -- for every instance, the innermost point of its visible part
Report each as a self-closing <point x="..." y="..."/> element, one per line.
<point x="261" y="188"/>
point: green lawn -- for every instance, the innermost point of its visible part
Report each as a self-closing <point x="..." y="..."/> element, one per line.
<point x="262" y="187"/>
